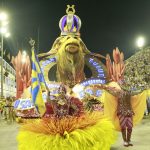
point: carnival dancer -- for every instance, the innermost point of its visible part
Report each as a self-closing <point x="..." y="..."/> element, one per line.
<point x="66" y="104"/>
<point x="124" y="109"/>
<point x="48" y="105"/>
<point x="62" y="104"/>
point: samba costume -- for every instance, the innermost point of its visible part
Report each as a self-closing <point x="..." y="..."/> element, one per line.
<point x="68" y="126"/>
<point x="122" y="113"/>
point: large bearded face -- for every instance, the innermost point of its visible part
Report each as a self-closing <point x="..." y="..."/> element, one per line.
<point x="70" y="51"/>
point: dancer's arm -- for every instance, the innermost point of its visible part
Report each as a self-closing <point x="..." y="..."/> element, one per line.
<point x="111" y="90"/>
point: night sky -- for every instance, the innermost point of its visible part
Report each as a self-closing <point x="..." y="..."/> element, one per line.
<point x="106" y="24"/>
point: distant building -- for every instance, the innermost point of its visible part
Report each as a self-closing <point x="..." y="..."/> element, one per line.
<point x="9" y="82"/>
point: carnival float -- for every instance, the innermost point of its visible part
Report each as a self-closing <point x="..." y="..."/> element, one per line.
<point x="72" y="91"/>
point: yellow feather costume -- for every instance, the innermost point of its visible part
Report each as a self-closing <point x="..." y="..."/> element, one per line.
<point x="89" y="132"/>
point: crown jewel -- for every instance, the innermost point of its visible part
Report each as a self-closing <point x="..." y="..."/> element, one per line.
<point x="70" y="24"/>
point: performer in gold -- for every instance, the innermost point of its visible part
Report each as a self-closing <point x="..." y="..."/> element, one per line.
<point x="124" y="110"/>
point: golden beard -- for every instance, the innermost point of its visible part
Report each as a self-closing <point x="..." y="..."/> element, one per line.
<point x="70" y="59"/>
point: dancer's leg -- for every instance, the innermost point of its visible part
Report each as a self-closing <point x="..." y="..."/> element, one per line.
<point x="123" y="120"/>
<point x="129" y="130"/>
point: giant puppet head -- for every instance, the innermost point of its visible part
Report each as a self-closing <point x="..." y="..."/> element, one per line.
<point x="69" y="50"/>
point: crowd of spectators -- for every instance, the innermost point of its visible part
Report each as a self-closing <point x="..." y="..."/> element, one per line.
<point x="137" y="71"/>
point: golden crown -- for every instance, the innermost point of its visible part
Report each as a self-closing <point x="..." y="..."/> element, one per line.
<point x="70" y="24"/>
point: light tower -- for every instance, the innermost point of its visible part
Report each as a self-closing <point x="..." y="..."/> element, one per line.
<point x="4" y="33"/>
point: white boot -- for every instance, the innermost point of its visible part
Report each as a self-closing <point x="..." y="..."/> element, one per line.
<point x="130" y="143"/>
<point x="126" y="144"/>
